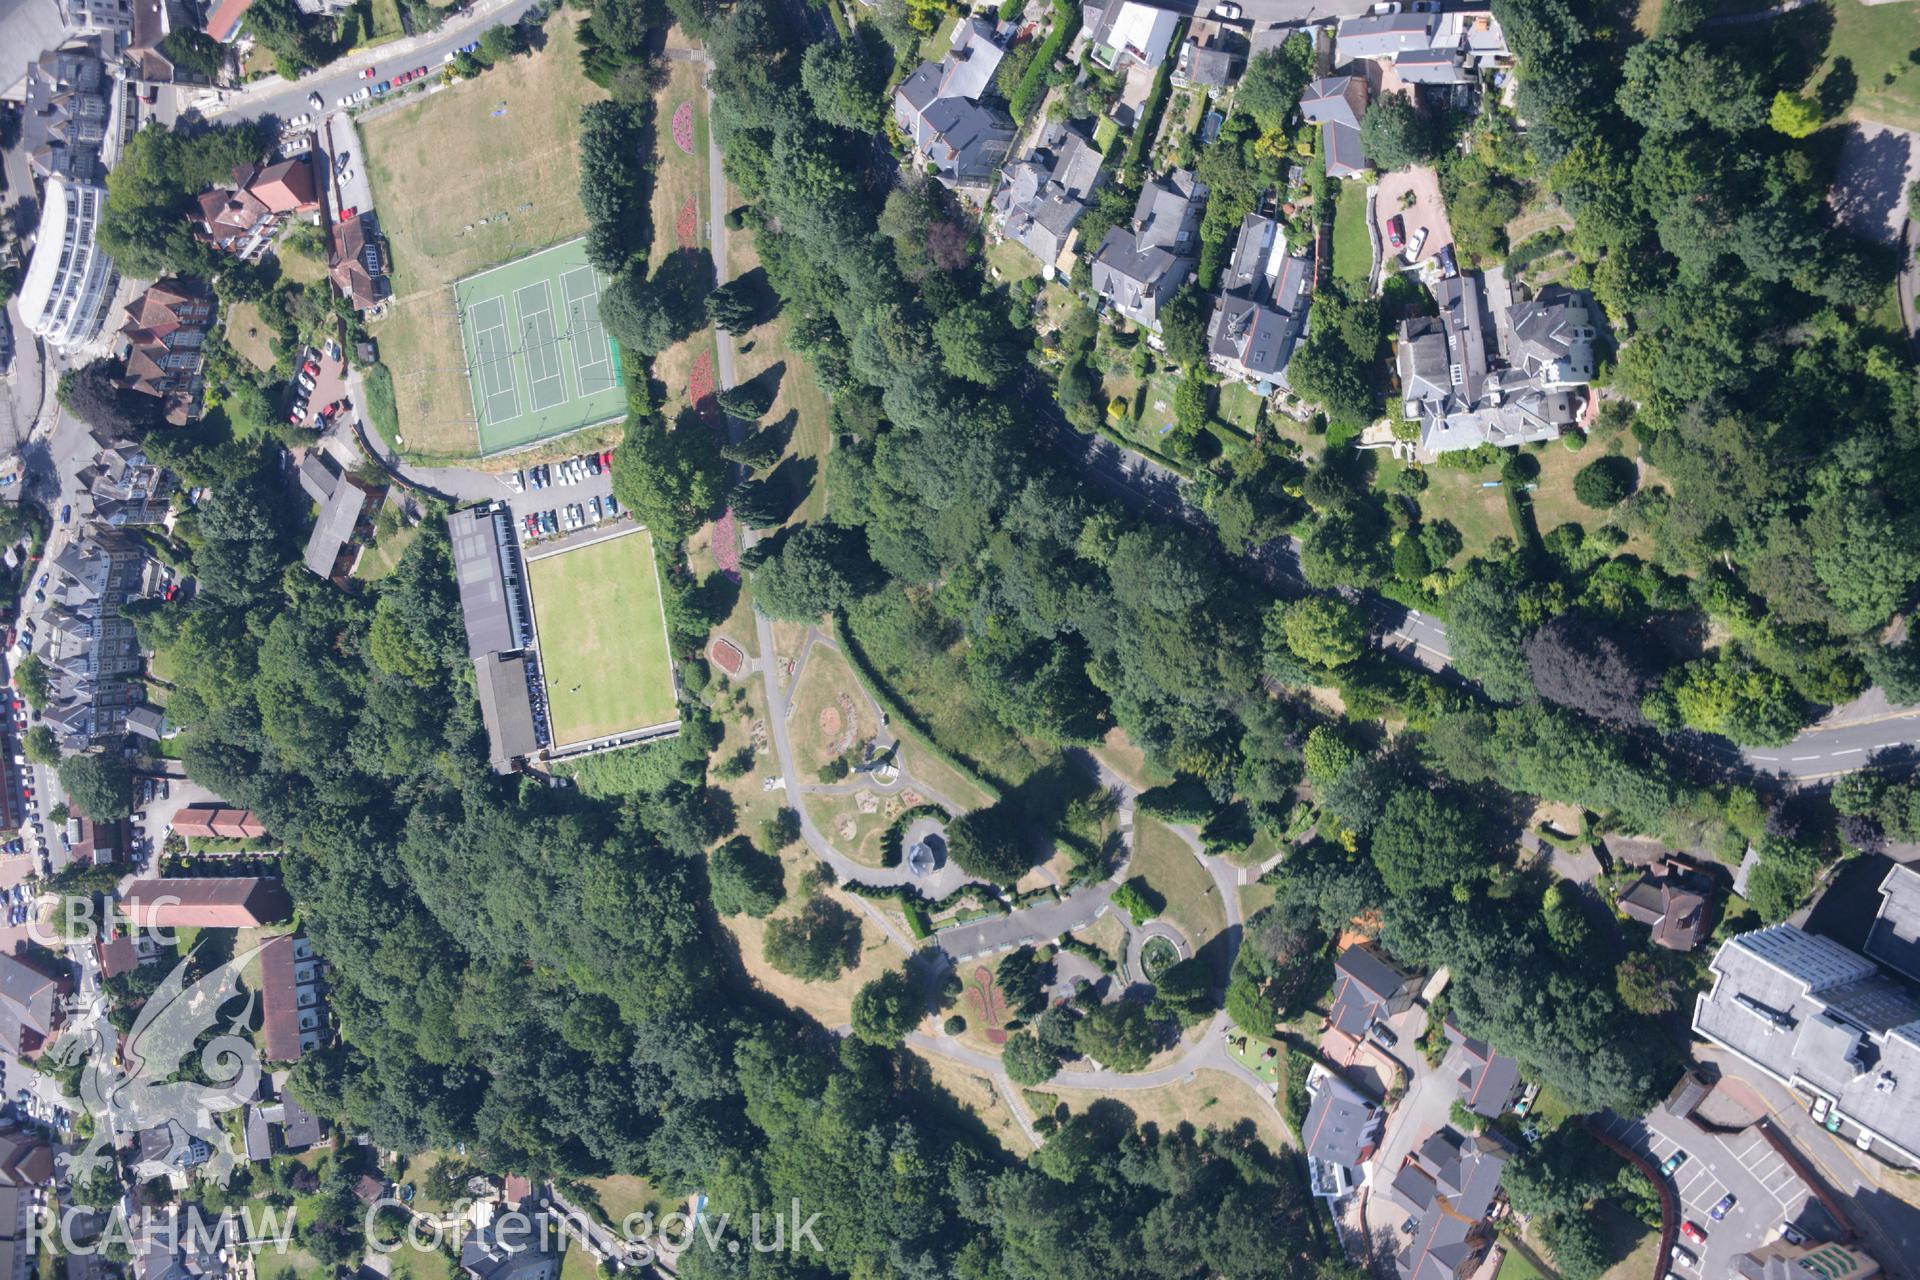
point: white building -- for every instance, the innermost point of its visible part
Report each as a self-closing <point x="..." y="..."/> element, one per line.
<point x="70" y="282"/>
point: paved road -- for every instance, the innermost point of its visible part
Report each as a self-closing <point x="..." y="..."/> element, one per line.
<point x="273" y="96"/>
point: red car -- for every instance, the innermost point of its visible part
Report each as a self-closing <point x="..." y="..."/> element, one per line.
<point x="312" y="368"/>
<point x="1397" y="232"/>
<point x="294" y="417"/>
<point x="1693" y="1233"/>
<point x="367" y="74"/>
<point x="419" y="72"/>
<point x="606" y="459"/>
<point x="348" y="214"/>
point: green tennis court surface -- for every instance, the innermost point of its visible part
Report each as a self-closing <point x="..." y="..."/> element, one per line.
<point x="538" y="359"/>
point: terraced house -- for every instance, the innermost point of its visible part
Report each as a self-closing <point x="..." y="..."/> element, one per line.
<point x="166" y="329"/>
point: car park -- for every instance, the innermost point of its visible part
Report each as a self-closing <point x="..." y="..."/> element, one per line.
<point x="593" y="463"/>
<point x="1683" y="1256"/>
<point x="1722" y="1207"/>
<point x="1691" y="1230"/>
<point x="1673" y="1162"/>
<point x="1397" y="232"/>
<point x="311" y="366"/>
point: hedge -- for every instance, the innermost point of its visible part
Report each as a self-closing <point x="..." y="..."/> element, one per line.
<point x="1087" y="951"/>
<point x="890" y="843"/>
<point x="881" y="693"/>
<point x="381" y="409"/>
<point x="1032" y="86"/>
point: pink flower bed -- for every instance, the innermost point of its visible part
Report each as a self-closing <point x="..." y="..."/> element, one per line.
<point x="683" y="127"/>
<point x="700" y="389"/>
<point x="687" y="225"/>
<point x="726" y="545"/>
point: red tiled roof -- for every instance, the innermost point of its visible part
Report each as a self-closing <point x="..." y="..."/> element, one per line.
<point x="279" y="1001"/>
<point x="225" y="19"/>
<point x="205" y="904"/>
<point x="209" y="821"/>
<point x="285" y="187"/>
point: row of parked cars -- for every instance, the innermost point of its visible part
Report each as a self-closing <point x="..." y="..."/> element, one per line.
<point x="574" y="515"/>
<point x="572" y="471"/>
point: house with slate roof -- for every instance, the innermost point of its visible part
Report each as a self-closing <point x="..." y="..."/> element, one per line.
<point x="1672" y="900"/>
<point x="165" y="330"/>
<point x="1450" y="1185"/>
<point x="1041" y="197"/>
<point x="1141" y="265"/>
<point x="1262" y="310"/>
<point x="1464" y="391"/>
<point x="1336" y="104"/>
<point x="1341" y="1133"/>
<point x="1426" y="43"/>
<point x="940" y="109"/>
<point x="1488" y="1081"/>
<point x="1368" y="990"/>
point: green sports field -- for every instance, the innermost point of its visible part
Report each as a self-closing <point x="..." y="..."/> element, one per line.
<point x="539" y="362"/>
<point x="603" y="638"/>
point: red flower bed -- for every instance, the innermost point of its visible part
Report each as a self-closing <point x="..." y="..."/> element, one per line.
<point x="726" y="546"/>
<point x="687" y="225"/>
<point x="683" y="127"/>
<point x="700" y="388"/>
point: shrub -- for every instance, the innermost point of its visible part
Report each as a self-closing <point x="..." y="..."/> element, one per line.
<point x="1605" y="482"/>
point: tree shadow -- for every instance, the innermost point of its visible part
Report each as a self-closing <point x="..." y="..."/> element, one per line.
<point x="790" y="482"/>
<point x="1838" y="87"/>
<point x="758" y="291"/>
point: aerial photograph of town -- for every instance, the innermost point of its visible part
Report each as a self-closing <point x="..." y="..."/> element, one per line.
<point x="960" y="639"/>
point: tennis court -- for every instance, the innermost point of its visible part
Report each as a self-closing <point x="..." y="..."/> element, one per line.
<point x="539" y="361"/>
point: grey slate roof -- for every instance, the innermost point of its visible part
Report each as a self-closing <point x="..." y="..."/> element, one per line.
<point x="333" y="529"/>
<point x="1249" y="335"/>
<point x="1810" y="1012"/>
<point x="510" y="1250"/>
<point x="1167" y="214"/>
<point x="1894" y="939"/>
<point x="1256" y="252"/>
<point x="483" y="590"/>
<point x="1137" y="280"/>
<point x="938" y="107"/>
<point x="1336" y="103"/>
<point x="1489" y="1080"/>
<point x="1210" y="67"/>
<point x="1450" y="386"/>
<point x="506" y="707"/>
<point x="1342" y="1126"/>
<point x="318" y="476"/>
<point x="1383" y="35"/>
<point x="1434" y="66"/>
<point x="1044" y="195"/>
<point x="1450" y="1184"/>
<point x="1366" y="989"/>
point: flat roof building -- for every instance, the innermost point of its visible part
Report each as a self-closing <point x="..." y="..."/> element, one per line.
<point x="69" y="282"/>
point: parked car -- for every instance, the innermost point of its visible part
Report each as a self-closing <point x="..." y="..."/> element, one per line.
<point x="1692" y="1231"/>
<point x="518" y="482"/>
<point x="311" y="366"/>
<point x="43" y="580"/>
<point x="366" y="73"/>
<point x="1419" y="243"/>
<point x="1819" y="1109"/>
<point x="343" y="101"/>
<point x="470" y="47"/>
<point x="1397" y="232"/>
<point x="606" y="458"/>
<point x="306" y="382"/>
<point x="1722" y="1206"/>
<point x="349" y="213"/>
<point x="317" y="102"/>
<point x="418" y="72"/>
<point x="1673" y="1162"/>
<point x="66" y="513"/>
<point x="613" y="508"/>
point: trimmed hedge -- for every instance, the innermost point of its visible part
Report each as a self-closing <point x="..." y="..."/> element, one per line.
<point x="877" y="687"/>
<point x="1033" y="85"/>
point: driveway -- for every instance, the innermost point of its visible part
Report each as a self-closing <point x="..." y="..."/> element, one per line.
<point x="1414" y="194"/>
<point x="1869" y="195"/>
<point x="1426" y="1106"/>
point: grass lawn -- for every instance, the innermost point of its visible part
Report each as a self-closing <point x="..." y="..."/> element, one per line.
<point x="385" y="24"/>
<point x="1240" y="406"/>
<point x="1104" y="133"/>
<point x="1517" y="1266"/>
<point x="1875" y="40"/>
<point x="1631" y="1243"/>
<point x="249" y="335"/>
<point x="510" y="137"/>
<point x="1352" y="249"/>
<point x="624" y="1195"/>
<point x="678" y="177"/>
<point x="830" y="1002"/>
<point x="297" y="265"/>
<point x="383" y="557"/>
<point x="830" y="712"/>
<point x="579" y="1265"/>
<point x="1170" y="868"/>
<point x="939" y="42"/>
<point x="603" y="638"/>
<point x="1210" y="1099"/>
<point x="800" y="407"/>
<point x="975" y="1095"/>
<point x="1012" y="261"/>
<point x="936" y="688"/>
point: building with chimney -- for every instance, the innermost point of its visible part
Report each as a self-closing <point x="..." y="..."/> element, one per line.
<point x="66" y="113"/>
<point x="166" y="330"/>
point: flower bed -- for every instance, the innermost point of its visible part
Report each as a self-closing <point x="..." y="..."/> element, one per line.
<point x="726" y="548"/>
<point x="700" y="388"/>
<point x="687" y="225"/>
<point x="683" y="127"/>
